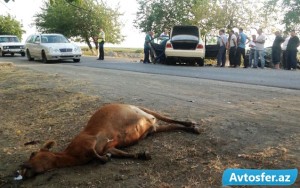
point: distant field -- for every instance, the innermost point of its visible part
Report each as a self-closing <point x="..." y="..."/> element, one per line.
<point x="87" y="51"/>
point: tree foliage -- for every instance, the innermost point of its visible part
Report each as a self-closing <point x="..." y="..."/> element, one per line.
<point x="290" y="10"/>
<point x="209" y="15"/>
<point x="81" y="22"/>
<point x="10" y="26"/>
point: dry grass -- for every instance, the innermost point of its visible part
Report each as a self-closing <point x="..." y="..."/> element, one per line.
<point x="38" y="107"/>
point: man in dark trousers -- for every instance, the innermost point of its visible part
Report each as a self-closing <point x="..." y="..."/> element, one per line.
<point x="101" y="40"/>
<point x="291" y="51"/>
<point x="148" y="38"/>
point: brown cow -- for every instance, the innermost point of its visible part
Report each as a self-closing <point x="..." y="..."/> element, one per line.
<point x="112" y="126"/>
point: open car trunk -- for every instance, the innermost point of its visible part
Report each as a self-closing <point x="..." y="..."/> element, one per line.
<point x="185" y="37"/>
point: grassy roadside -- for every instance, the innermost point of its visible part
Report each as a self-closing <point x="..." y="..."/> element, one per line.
<point x="115" y="51"/>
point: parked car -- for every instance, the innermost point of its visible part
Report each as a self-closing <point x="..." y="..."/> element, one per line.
<point x="157" y="50"/>
<point x="185" y="46"/>
<point x="48" y="47"/>
<point x="10" y="44"/>
<point x="268" y="57"/>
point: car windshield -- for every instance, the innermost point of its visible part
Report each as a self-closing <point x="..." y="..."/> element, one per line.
<point x="54" y="39"/>
<point x="9" y="39"/>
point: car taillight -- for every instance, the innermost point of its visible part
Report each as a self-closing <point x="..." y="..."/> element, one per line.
<point x="168" y="45"/>
<point x="200" y="46"/>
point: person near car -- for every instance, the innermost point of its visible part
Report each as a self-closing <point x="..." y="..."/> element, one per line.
<point x="260" y="49"/>
<point x="276" y="49"/>
<point x="252" y="54"/>
<point x="241" y="49"/>
<point x="291" y="50"/>
<point x="222" y="50"/>
<point x="101" y="40"/>
<point x="231" y="46"/>
<point x="284" y="45"/>
<point x="165" y="34"/>
<point x="148" y="38"/>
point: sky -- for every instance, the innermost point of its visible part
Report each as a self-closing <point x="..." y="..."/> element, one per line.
<point x="24" y="10"/>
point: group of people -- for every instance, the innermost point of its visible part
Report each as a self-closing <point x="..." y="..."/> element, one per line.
<point x="236" y="43"/>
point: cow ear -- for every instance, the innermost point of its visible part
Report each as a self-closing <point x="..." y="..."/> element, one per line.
<point x="48" y="145"/>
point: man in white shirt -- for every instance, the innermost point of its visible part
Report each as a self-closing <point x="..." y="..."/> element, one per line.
<point x="222" y="50"/>
<point x="284" y="57"/>
<point x="232" y="45"/>
<point x="260" y="49"/>
<point x="252" y="54"/>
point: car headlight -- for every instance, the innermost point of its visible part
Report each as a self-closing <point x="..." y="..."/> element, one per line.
<point x="77" y="49"/>
<point x="53" y="50"/>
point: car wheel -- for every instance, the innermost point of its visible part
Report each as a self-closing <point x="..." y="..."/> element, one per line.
<point x="76" y="60"/>
<point x="1" y="53"/>
<point x="29" y="56"/>
<point x="44" y="57"/>
<point x="23" y="54"/>
<point x="169" y="61"/>
<point x="200" y="62"/>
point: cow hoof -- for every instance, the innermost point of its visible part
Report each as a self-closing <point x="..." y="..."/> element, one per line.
<point x="145" y="155"/>
<point x="108" y="156"/>
<point x="197" y="130"/>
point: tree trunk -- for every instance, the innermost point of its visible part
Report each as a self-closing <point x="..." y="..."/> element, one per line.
<point x="89" y="45"/>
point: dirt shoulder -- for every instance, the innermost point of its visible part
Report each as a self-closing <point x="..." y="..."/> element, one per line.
<point x="243" y="127"/>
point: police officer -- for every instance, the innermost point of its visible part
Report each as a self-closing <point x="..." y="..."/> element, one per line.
<point x="101" y="40"/>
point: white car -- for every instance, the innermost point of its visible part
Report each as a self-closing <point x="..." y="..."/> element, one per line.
<point x="48" y="47"/>
<point x="10" y="44"/>
<point x="185" y="45"/>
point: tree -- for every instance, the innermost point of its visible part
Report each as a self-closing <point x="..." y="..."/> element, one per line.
<point x="209" y="15"/>
<point x="290" y="10"/>
<point x="10" y="26"/>
<point x="53" y="1"/>
<point x="80" y="22"/>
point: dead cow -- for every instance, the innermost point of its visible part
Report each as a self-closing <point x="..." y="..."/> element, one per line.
<point x="112" y="126"/>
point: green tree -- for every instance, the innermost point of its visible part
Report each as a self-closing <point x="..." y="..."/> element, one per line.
<point x="290" y="9"/>
<point x="209" y="15"/>
<point x="53" y="1"/>
<point x="10" y="26"/>
<point x="81" y="22"/>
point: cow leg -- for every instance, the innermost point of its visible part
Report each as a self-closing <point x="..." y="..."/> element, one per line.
<point x="168" y="120"/>
<point x="167" y="128"/>
<point x="123" y="154"/>
<point x="103" y="158"/>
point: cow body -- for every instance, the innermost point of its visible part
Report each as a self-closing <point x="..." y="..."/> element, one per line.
<point x="111" y="127"/>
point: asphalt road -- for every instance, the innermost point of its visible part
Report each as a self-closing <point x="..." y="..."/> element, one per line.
<point x="263" y="77"/>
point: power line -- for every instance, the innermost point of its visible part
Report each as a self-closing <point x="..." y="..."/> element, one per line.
<point x="5" y="5"/>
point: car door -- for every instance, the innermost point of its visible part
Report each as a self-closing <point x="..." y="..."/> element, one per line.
<point x="211" y="46"/>
<point x="36" y="52"/>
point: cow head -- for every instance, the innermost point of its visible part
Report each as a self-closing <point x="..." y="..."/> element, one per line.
<point x="39" y="162"/>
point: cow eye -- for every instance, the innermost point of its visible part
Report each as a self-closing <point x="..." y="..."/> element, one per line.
<point x="33" y="154"/>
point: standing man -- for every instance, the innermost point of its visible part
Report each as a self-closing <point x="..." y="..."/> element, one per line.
<point x="232" y="45"/>
<point x="291" y="50"/>
<point x="252" y="54"/>
<point x="284" y="45"/>
<point x="260" y="49"/>
<point x="222" y="50"/>
<point x="101" y="40"/>
<point x="148" y="38"/>
<point x="165" y="34"/>
<point x="276" y="49"/>
<point x="241" y="50"/>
